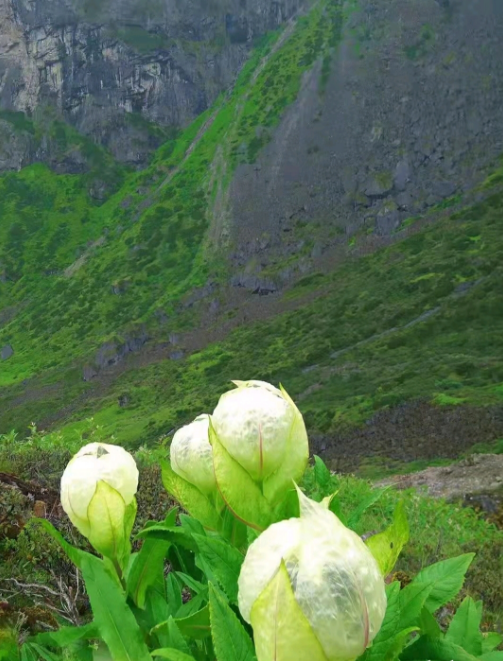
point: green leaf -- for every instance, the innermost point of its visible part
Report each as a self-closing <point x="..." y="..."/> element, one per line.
<point x="240" y="493"/>
<point x="191" y="583"/>
<point x="172" y="654"/>
<point x="43" y="653"/>
<point x="66" y="636"/>
<point x="492" y="656"/>
<point x="75" y="555"/>
<point x="190" y="498"/>
<point x="334" y="505"/>
<point x="106" y="512"/>
<point x="371" y="499"/>
<point x="412" y="599"/>
<point x="174" y="594"/>
<point x="446" y="577"/>
<point x="295" y="461"/>
<point x="280" y="628"/>
<point x="464" y="628"/>
<point x="321" y="474"/>
<point x="490" y="641"/>
<point x="172" y="635"/>
<point x="230" y="639"/>
<point x="233" y="530"/>
<point x="147" y="569"/>
<point x="176" y="535"/>
<point x="435" y="648"/>
<point x="429" y="625"/>
<point x="196" y="626"/>
<point x="114" y="619"/>
<point x="191" y="525"/>
<point x="387" y="546"/>
<point x="392" y="636"/>
<point x="27" y="653"/>
<point x="224" y="562"/>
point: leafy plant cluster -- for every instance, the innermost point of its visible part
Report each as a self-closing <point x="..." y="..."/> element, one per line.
<point x="190" y="612"/>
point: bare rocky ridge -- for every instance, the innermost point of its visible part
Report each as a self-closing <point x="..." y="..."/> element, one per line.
<point x="411" y="115"/>
<point x="96" y="63"/>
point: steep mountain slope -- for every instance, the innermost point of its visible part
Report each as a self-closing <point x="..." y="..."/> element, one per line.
<point x="118" y="69"/>
<point x="348" y="272"/>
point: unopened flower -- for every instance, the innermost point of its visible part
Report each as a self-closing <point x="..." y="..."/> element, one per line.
<point x="335" y="594"/>
<point x="98" y="491"/>
<point x="192" y="456"/>
<point x="263" y="430"/>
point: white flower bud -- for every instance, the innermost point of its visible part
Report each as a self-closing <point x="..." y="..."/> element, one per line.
<point x="260" y="426"/>
<point x="98" y="486"/>
<point x="334" y="578"/>
<point x="191" y="455"/>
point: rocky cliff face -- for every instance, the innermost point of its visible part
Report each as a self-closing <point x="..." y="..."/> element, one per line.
<point x="117" y="69"/>
<point x="410" y="115"/>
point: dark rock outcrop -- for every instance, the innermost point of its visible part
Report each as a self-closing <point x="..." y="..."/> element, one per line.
<point x="117" y="69"/>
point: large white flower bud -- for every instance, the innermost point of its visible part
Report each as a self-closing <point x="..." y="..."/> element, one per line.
<point x="98" y="491"/>
<point x="191" y="455"/>
<point x="260" y="427"/>
<point x="334" y="584"/>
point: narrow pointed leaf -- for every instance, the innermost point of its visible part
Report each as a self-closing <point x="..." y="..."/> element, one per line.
<point x="412" y="600"/>
<point x="190" y="498"/>
<point x="374" y="496"/>
<point x="196" y="626"/>
<point x="240" y="493"/>
<point x="387" y="546"/>
<point x="67" y="635"/>
<point x="147" y="569"/>
<point x="224" y="561"/>
<point x="281" y="630"/>
<point x="230" y="639"/>
<point x="115" y="621"/>
<point x="172" y="654"/>
<point x="464" y="628"/>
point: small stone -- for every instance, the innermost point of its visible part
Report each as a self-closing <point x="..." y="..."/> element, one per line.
<point x="6" y="352"/>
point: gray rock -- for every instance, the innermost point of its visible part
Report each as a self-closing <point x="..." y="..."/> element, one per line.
<point x="444" y="188"/>
<point x="6" y="352"/>
<point x="403" y="200"/>
<point x="253" y="283"/>
<point x="378" y="186"/>
<point x="387" y="223"/>
<point x="402" y="175"/>
<point x="89" y="373"/>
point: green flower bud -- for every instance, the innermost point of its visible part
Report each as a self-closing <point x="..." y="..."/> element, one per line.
<point x="325" y="578"/>
<point x="260" y="427"/>
<point x="191" y="455"/>
<point x="98" y="491"/>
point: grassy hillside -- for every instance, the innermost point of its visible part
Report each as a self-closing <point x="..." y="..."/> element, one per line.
<point x="419" y="318"/>
<point x="76" y="274"/>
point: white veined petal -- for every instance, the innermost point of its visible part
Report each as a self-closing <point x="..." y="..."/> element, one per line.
<point x="254" y="424"/>
<point x="263" y="558"/>
<point x="78" y="485"/>
<point x="191" y="454"/>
